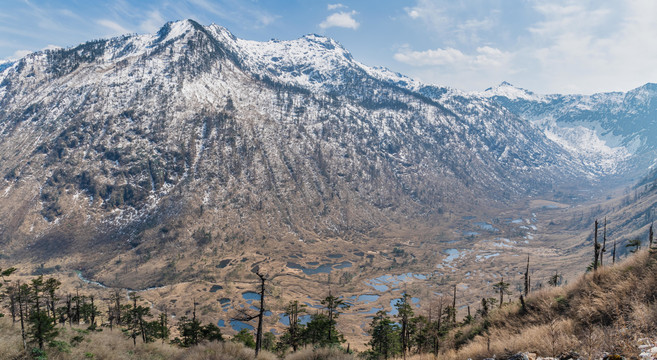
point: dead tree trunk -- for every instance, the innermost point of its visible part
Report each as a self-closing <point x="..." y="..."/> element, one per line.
<point x="596" y="247"/>
<point x="613" y="259"/>
<point x="527" y="278"/>
<point x="454" y="306"/>
<point x="261" y="313"/>
<point x="604" y="243"/>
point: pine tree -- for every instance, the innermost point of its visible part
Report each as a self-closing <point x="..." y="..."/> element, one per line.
<point x="333" y="306"/>
<point x="190" y="329"/>
<point x="10" y="291"/>
<point x="384" y="341"/>
<point x="404" y="314"/>
<point x="294" y="332"/>
<point x="42" y="328"/>
<point x="245" y="337"/>
<point x="501" y="287"/>
<point x="555" y="280"/>
<point x="634" y="245"/>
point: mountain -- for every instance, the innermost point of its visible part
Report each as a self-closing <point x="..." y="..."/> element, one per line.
<point x="616" y="130"/>
<point x="138" y="148"/>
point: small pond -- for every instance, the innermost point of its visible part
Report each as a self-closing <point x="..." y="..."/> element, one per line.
<point x="224" y="263"/>
<point x="239" y="325"/>
<point x="285" y="320"/>
<point x="250" y="296"/>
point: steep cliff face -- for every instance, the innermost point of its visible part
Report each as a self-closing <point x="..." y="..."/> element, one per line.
<point x="155" y="141"/>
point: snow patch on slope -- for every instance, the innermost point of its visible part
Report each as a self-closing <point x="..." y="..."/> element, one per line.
<point x="585" y="144"/>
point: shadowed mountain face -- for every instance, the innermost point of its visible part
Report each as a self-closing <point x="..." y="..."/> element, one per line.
<point x="190" y="138"/>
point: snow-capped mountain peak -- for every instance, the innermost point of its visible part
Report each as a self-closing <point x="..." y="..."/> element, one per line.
<point x="509" y="91"/>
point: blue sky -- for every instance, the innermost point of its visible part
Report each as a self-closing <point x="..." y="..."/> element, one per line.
<point x="545" y="46"/>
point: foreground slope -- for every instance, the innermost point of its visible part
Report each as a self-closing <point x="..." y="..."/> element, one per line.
<point x="610" y="312"/>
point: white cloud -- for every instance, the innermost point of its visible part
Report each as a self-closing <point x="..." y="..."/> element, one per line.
<point x="19" y="54"/>
<point x="589" y="47"/>
<point x="335" y="6"/>
<point x="51" y="47"/>
<point x="430" y="57"/>
<point x="341" y="19"/>
<point x="546" y="46"/>
<point x="115" y="27"/>
<point x="484" y="57"/>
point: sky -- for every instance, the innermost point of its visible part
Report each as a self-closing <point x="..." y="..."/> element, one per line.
<point x="553" y="46"/>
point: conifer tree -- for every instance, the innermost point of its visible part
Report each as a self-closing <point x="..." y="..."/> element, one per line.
<point x="190" y="329"/>
<point x="501" y="287"/>
<point x="42" y="328"/>
<point x="333" y="306"/>
<point x="634" y="245"/>
<point x="555" y="280"/>
<point x="292" y="311"/>
<point x="384" y="341"/>
<point x="404" y="314"/>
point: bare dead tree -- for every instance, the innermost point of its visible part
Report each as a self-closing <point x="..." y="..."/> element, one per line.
<point x="596" y="247"/>
<point x="454" y="306"/>
<point x="261" y="312"/>
<point x="604" y="243"/>
<point x="243" y="315"/>
<point x="613" y="259"/>
<point x="527" y="277"/>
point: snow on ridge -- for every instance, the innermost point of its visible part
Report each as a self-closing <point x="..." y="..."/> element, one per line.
<point x="511" y="92"/>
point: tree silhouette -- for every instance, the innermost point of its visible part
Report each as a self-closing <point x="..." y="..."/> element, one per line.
<point x="634" y="245"/>
<point x="245" y="316"/>
<point x="526" y="290"/>
<point x="501" y="287"/>
<point x="404" y="314"/>
<point x="596" y="248"/>
<point x="555" y="280"/>
<point x="333" y="305"/>
<point x="384" y="342"/>
<point x="294" y="332"/>
<point x="42" y="328"/>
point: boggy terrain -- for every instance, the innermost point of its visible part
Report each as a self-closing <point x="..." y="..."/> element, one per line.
<point x="468" y="252"/>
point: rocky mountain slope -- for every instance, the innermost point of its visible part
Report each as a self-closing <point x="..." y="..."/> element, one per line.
<point x="194" y="139"/>
<point x="616" y="131"/>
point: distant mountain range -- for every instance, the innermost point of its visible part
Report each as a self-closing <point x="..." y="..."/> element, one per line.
<point x="615" y="131"/>
<point x="145" y="143"/>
